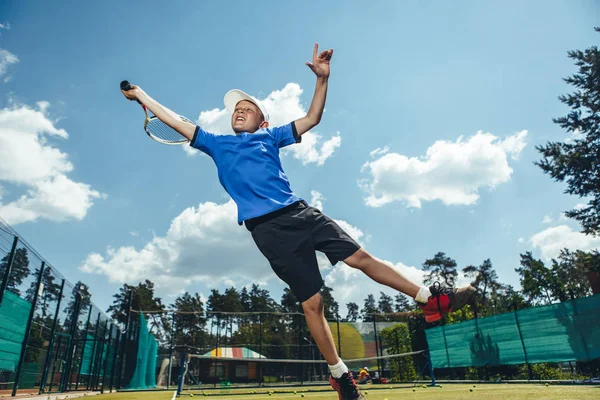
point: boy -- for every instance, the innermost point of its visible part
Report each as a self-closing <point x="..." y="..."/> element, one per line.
<point x="284" y="227"/>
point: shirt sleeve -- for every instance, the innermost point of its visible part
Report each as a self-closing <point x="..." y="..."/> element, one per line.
<point x="204" y="141"/>
<point x="286" y="135"/>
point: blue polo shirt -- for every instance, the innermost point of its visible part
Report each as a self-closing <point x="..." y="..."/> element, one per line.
<point x="249" y="167"/>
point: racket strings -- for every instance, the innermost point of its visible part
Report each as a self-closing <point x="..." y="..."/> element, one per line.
<point x="163" y="132"/>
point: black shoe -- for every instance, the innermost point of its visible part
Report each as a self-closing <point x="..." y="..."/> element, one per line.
<point x="346" y="387"/>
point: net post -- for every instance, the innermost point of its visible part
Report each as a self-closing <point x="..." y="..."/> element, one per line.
<point x="430" y="368"/>
<point x="28" y="328"/>
<point x="11" y="259"/>
<point x="182" y="373"/>
<point x="51" y="344"/>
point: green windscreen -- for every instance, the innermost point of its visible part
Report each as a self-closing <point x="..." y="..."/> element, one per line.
<point x="565" y="331"/>
<point x="14" y="313"/>
<point x="144" y="376"/>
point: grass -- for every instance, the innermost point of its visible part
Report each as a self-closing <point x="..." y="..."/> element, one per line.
<point x="383" y="392"/>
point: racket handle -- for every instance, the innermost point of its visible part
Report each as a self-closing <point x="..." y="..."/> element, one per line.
<point x="125" y="85"/>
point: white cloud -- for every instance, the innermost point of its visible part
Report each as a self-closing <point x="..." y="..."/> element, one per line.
<point x="316" y="199"/>
<point x="521" y="240"/>
<point x="203" y="244"/>
<point x="134" y="233"/>
<point x="452" y="172"/>
<point x="6" y="59"/>
<point x="283" y="107"/>
<point x="379" y="151"/>
<point x="28" y="159"/>
<point x="5" y="26"/>
<point x="547" y="219"/>
<point x="552" y="240"/>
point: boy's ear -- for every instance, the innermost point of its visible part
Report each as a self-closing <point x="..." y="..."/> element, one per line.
<point x="264" y="124"/>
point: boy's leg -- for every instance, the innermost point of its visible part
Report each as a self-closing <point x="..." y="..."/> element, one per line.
<point x="434" y="301"/>
<point x="314" y="313"/>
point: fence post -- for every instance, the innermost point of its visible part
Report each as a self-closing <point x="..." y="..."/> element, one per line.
<point x="106" y="359"/>
<point x="29" y="321"/>
<point x="87" y="324"/>
<point x="100" y="364"/>
<point x="337" y="320"/>
<point x="11" y="259"/>
<point x="376" y="346"/>
<point x="51" y="344"/>
<point x="92" y="369"/>
<point x="530" y="372"/>
<point x="121" y="363"/>
<point x="68" y="365"/>
<point x="113" y="370"/>
<point x="260" y="369"/>
<point x="171" y="350"/>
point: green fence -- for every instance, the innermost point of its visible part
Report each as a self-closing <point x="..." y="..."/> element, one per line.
<point x="567" y="331"/>
<point x="52" y="337"/>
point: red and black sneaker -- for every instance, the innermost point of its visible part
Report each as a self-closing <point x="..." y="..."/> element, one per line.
<point x="346" y="387"/>
<point x="444" y="300"/>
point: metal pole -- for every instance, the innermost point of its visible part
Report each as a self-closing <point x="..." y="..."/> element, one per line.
<point x="337" y="320"/>
<point x="87" y="324"/>
<point x="51" y="344"/>
<point x="29" y="321"/>
<point x="65" y="378"/>
<point x="121" y="364"/>
<point x="376" y="346"/>
<point x="260" y="370"/>
<point x="11" y="259"/>
<point x="171" y="349"/>
<point x="54" y="366"/>
<point x="106" y="359"/>
<point x="523" y="344"/>
<point x="113" y="370"/>
<point x="99" y="361"/>
<point x="91" y="369"/>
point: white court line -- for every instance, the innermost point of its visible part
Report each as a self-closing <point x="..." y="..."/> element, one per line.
<point x="174" y="395"/>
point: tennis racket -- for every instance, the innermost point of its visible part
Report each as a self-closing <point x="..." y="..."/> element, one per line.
<point x="157" y="129"/>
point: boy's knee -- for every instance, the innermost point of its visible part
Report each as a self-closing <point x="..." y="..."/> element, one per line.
<point x="314" y="305"/>
<point x="359" y="260"/>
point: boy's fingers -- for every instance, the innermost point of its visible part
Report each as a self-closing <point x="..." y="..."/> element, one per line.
<point x="316" y="50"/>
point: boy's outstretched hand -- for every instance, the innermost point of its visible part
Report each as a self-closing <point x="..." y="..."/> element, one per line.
<point x="320" y="62"/>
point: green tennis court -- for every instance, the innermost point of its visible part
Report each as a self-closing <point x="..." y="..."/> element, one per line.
<point x="448" y="391"/>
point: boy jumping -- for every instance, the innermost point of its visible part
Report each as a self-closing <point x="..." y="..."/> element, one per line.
<point x="284" y="227"/>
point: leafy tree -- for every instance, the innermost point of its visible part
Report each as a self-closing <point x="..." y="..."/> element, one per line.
<point x="352" y="315"/>
<point x="289" y="303"/>
<point x="385" y="304"/>
<point x="402" y="303"/>
<point x="332" y="308"/>
<point x="190" y="321"/>
<point x="50" y="293"/>
<point x="369" y="308"/>
<point x="18" y="272"/>
<point x="576" y="161"/>
<point x="82" y="291"/>
<point x="398" y="341"/>
<point x="143" y="300"/>
<point x="440" y="268"/>
<point x="485" y="280"/>
<point x="535" y="279"/>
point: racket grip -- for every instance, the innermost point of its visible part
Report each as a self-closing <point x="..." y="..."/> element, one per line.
<point x="125" y="85"/>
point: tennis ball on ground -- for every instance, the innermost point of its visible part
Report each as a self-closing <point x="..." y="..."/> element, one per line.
<point x="295" y="392"/>
<point x="302" y="395"/>
<point x="191" y="394"/>
<point x="414" y="389"/>
<point x="366" y="392"/>
<point x="546" y="383"/>
<point x="391" y="387"/>
<point x="470" y="390"/>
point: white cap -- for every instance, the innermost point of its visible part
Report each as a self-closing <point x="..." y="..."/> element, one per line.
<point x="366" y="368"/>
<point x="234" y="96"/>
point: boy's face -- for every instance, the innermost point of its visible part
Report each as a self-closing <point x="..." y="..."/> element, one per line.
<point x="247" y="117"/>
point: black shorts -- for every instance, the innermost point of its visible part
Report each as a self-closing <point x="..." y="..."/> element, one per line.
<point x="289" y="237"/>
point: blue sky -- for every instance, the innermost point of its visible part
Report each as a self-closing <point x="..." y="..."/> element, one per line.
<point x="427" y="143"/>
